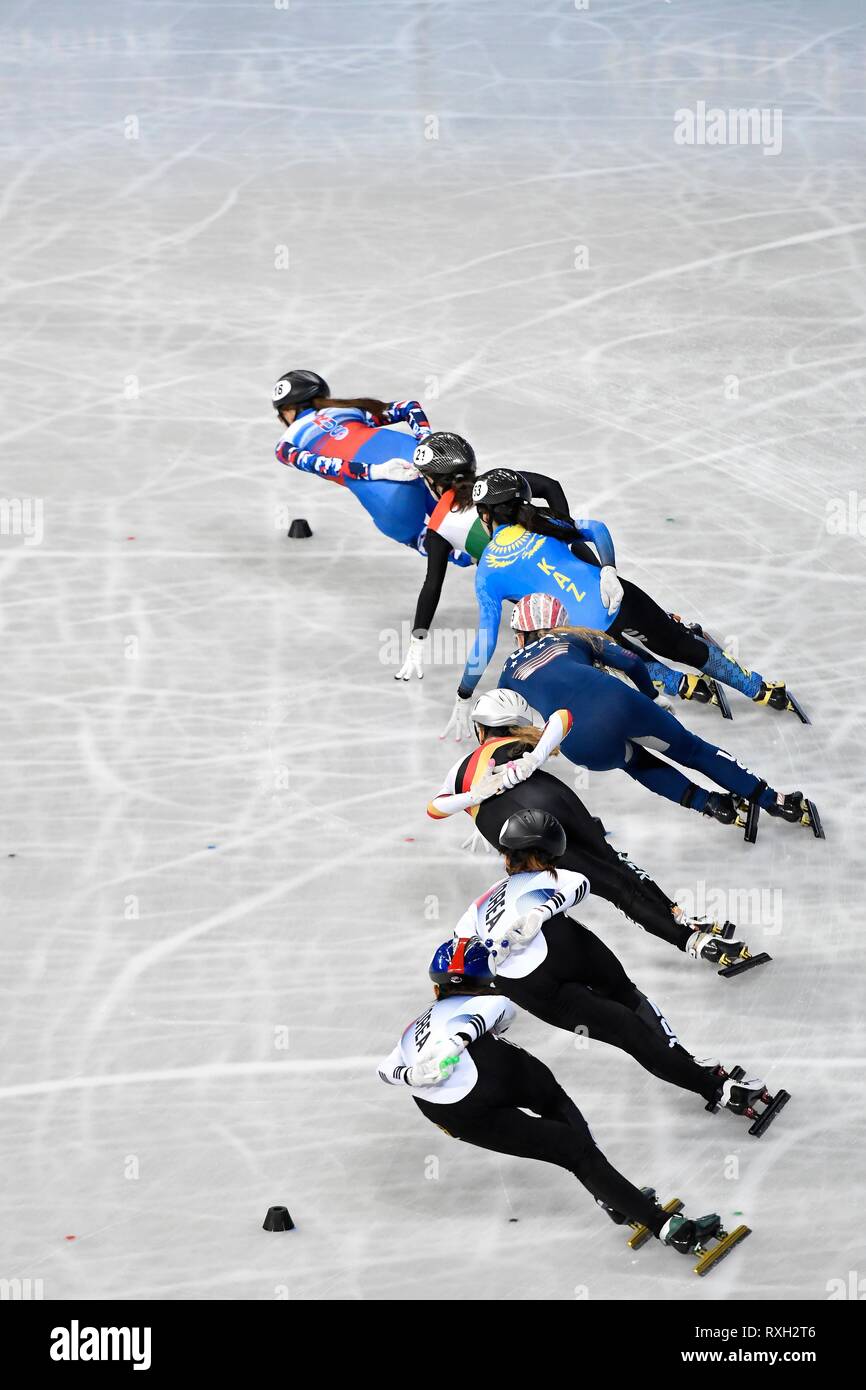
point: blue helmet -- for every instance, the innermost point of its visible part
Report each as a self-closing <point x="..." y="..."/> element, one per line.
<point x="462" y="967"/>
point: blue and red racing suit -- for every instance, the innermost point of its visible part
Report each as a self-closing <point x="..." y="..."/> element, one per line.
<point x="341" y="442"/>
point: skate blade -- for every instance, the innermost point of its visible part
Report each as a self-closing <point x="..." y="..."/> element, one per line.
<point x="643" y="1233"/>
<point x="717" y="1253"/>
<point x="766" y="1117"/>
<point x="738" y="967"/>
<point x="721" y="699"/>
<point x="750" y="824"/>
<point x="812" y="819"/>
<point x="796" y="708"/>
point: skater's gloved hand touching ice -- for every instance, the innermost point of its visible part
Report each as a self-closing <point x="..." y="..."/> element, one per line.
<point x="414" y="663"/>
<point x="476" y="843"/>
<point x="460" y="723"/>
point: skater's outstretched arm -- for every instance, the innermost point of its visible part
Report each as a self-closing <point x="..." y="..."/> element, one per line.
<point x="438" y="551"/>
<point x="489" y="615"/>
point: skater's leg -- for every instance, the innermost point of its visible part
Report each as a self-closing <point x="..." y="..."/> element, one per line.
<point x="656" y="1049"/>
<point x="629" y="889"/>
<point x="657" y="776"/>
<point x="642" y="621"/>
<point x="559" y="1135"/>
<point x="658" y="729"/>
<point x="612" y="875"/>
<point x="602" y="971"/>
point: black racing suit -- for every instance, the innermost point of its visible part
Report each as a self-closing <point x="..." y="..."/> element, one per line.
<point x="582" y="987"/>
<point x="610" y="874"/>
<point x="491" y="1116"/>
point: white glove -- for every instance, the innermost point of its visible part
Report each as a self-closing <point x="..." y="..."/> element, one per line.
<point x="491" y="784"/>
<point x="516" y="772"/>
<point x="432" y="1072"/>
<point x="460" y="725"/>
<point x="393" y="471"/>
<point x="663" y="702"/>
<point x="610" y="588"/>
<point x="476" y="842"/>
<point x="414" y="663"/>
<point x="436" y="1061"/>
<point x="524" y="930"/>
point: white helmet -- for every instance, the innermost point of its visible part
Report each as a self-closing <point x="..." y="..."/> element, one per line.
<point x="502" y="709"/>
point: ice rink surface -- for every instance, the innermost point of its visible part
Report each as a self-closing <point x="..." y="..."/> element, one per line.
<point x="220" y="887"/>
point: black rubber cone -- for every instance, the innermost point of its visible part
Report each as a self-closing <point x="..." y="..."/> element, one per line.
<point x="278" y="1219"/>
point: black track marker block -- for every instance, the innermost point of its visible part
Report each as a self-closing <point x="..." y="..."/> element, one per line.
<point x="278" y="1219"/>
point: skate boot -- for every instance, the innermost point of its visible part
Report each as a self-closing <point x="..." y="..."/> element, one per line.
<point x="775" y="695"/>
<point x="715" y="945"/>
<point x="721" y="806"/>
<point x="726" y="930"/>
<point x="798" y="809"/>
<point x="684" y="1235"/>
<point x="715" y="1069"/>
<point x="643" y="1233"/>
<point x="688" y="1237"/>
<point x="740" y="1093"/>
<point x="705" y="691"/>
<point x="693" y="1238"/>
<point x="734" y="810"/>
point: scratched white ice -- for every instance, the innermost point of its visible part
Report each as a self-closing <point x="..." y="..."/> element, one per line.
<point x="219" y="882"/>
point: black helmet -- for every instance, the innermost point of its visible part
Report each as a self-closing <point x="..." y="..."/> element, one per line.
<point x="296" y="388"/>
<point x="534" y="830"/>
<point x="501" y="487"/>
<point x="443" y="455"/>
